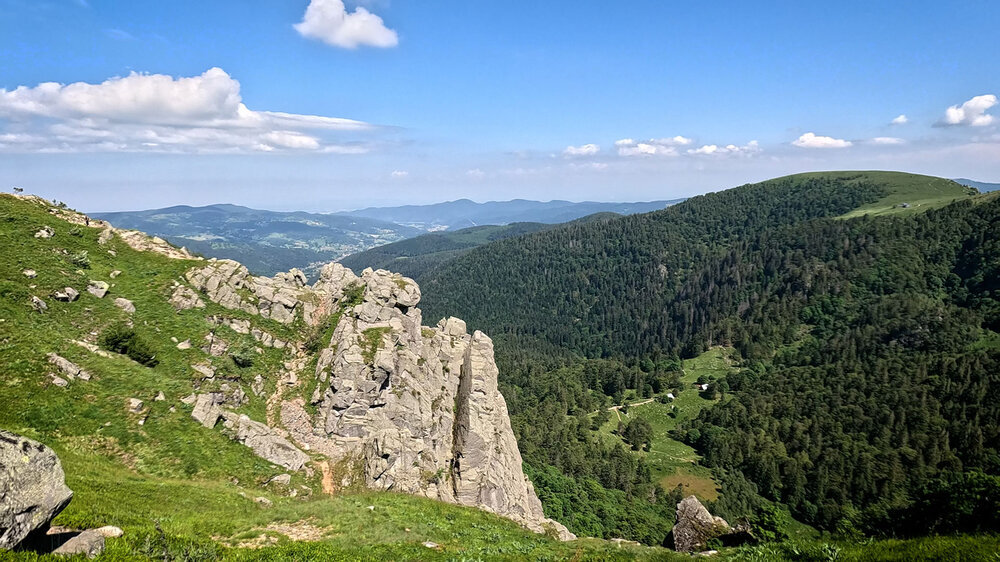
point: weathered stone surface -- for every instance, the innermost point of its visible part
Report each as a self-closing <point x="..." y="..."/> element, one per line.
<point x="184" y="298"/>
<point x="696" y="526"/>
<point x="58" y="381"/>
<point x="186" y="344"/>
<point x="110" y="531"/>
<point x="89" y="543"/>
<point x="38" y="304"/>
<point x="135" y="405"/>
<point x="68" y="294"/>
<point x="98" y="288"/>
<point x="70" y="369"/>
<point x="125" y="305"/>
<point x="45" y="232"/>
<point x="266" y="442"/>
<point x="29" y="273"/>
<point x="32" y="488"/>
<point x="208" y="408"/>
<point x="418" y="414"/>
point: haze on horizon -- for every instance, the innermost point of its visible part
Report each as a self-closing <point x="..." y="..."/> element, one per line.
<point x="321" y="106"/>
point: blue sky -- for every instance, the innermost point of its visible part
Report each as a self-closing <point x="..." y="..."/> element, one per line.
<point x="318" y="105"/>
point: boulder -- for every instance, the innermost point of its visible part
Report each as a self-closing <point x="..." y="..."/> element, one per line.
<point x="135" y="405"/>
<point x="68" y="294"/>
<point x="58" y="381"/>
<point x="32" y="488"/>
<point x="125" y="305"/>
<point x="114" y="274"/>
<point x="98" y="288"/>
<point x="89" y="543"/>
<point x="45" y="232"/>
<point x="696" y="526"/>
<point x="38" y="304"/>
<point x="186" y="344"/>
<point x="208" y="408"/>
<point x="68" y="368"/>
<point x="29" y="273"/>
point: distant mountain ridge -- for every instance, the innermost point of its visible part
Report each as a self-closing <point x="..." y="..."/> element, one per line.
<point x="267" y="242"/>
<point x="980" y="185"/>
<point x="464" y="213"/>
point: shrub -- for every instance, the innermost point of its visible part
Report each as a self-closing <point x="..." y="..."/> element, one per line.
<point x="122" y="338"/>
<point x="242" y="356"/>
<point x="80" y="259"/>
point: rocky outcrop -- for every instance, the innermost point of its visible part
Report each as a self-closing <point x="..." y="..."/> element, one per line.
<point x="266" y="442"/>
<point x="32" y="488"/>
<point x="283" y="297"/>
<point x="414" y="409"/>
<point x="184" y="298"/>
<point x="696" y="526"/>
<point x="89" y="543"/>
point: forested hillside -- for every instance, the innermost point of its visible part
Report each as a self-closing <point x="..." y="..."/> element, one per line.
<point x="416" y="256"/>
<point x="868" y="346"/>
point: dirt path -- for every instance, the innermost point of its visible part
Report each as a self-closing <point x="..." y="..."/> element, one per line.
<point x="616" y="408"/>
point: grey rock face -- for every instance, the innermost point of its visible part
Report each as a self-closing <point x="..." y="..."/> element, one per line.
<point x="38" y="304"/>
<point x="208" y="408"/>
<point x="32" y="488"/>
<point x="68" y="294"/>
<point x="283" y="297"/>
<point x="125" y="305"/>
<point x="399" y="406"/>
<point x="416" y="409"/>
<point x="267" y="443"/>
<point x="68" y="368"/>
<point x="45" y="232"/>
<point x="89" y="543"/>
<point x="695" y="526"/>
<point x="184" y="298"/>
<point x="98" y="288"/>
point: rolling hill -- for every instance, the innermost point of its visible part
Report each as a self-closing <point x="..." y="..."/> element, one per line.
<point x="837" y="300"/>
<point x="982" y="186"/>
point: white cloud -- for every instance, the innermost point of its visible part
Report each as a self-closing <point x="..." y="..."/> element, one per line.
<point x="900" y="119"/>
<point x="652" y="147"/>
<point x="159" y="113"/>
<point x="971" y="113"/>
<point x="812" y="140"/>
<point x="400" y="173"/>
<point x="584" y="150"/>
<point x="887" y="140"/>
<point x="750" y="148"/>
<point x="330" y="22"/>
<point x="475" y="173"/>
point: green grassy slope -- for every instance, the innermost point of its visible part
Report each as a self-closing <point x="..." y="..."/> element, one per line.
<point x="672" y="462"/>
<point x="173" y="486"/>
<point x="918" y="193"/>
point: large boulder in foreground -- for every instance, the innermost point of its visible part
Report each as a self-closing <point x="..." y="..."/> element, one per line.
<point x="32" y="488"/>
<point x="696" y="526"/>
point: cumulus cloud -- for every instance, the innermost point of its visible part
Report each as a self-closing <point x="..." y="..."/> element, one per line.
<point x="900" y="119"/>
<point x="812" y="140"/>
<point x="400" y="173"/>
<point x="159" y="113"/>
<point x="971" y="113"/>
<point x="330" y="22"/>
<point x="652" y="147"/>
<point x="887" y="140"/>
<point x="584" y="150"/>
<point x="750" y="148"/>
